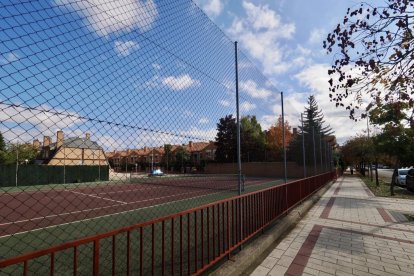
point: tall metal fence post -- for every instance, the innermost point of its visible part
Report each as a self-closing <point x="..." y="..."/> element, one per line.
<point x="303" y="147"/>
<point x="64" y="165"/>
<point x="320" y="150"/>
<point x="283" y="138"/>
<point x="239" y="168"/>
<point x="326" y="155"/>
<point x="314" y="151"/>
<point x="17" y="162"/>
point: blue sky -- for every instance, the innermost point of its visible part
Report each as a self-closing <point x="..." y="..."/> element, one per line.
<point x="145" y="73"/>
<point x="284" y="39"/>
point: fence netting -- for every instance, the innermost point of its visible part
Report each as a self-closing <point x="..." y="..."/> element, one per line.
<point x="116" y="112"/>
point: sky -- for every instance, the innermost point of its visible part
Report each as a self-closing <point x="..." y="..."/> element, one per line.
<point x="284" y="39"/>
<point x="146" y="73"/>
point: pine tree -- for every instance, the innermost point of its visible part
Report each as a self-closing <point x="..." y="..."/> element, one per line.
<point x="313" y="120"/>
<point x="315" y="129"/>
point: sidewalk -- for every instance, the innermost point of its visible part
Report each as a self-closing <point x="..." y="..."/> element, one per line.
<point x="348" y="232"/>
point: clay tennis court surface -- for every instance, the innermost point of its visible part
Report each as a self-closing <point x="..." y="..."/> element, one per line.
<point x="30" y="210"/>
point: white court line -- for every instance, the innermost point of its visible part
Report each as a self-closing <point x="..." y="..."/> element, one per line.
<point x="95" y="196"/>
<point x="98" y="208"/>
<point x="98" y="217"/>
<point x="107" y="215"/>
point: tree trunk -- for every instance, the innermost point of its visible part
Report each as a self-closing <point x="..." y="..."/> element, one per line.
<point x="394" y="174"/>
<point x="370" y="170"/>
<point x="376" y="173"/>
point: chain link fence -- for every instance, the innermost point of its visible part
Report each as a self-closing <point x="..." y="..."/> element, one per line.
<point x="114" y="113"/>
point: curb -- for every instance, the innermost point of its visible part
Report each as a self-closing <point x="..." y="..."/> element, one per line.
<point x="245" y="261"/>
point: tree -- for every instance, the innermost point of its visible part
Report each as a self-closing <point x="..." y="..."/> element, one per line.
<point x="359" y="151"/>
<point x="374" y="56"/>
<point x="20" y="153"/>
<point x="226" y="140"/>
<point x="397" y="142"/>
<point x="2" y="149"/>
<point x="274" y="139"/>
<point x="167" y="152"/>
<point x="182" y="156"/>
<point x="315" y="131"/>
<point x="253" y="141"/>
<point x="313" y="121"/>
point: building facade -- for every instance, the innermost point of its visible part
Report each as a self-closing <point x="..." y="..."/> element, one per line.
<point x="70" y="151"/>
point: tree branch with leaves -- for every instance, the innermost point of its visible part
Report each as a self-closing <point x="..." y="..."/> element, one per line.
<point x="373" y="51"/>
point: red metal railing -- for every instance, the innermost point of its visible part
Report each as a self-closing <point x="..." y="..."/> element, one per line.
<point x="187" y="242"/>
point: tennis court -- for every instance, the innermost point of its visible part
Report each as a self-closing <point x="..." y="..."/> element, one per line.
<point x="29" y="210"/>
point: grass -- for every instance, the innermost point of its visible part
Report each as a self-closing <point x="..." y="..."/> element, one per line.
<point x="383" y="190"/>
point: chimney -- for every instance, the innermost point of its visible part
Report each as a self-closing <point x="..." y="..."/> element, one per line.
<point x="295" y="131"/>
<point x="88" y="136"/>
<point x="36" y="144"/>
<point x="145" y="148"/>
<point x="46" y="141"/>
<point x="59" y="138"/>
<point x="190" y="144"/>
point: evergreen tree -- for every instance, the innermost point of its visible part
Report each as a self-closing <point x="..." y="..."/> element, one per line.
<point x="314" y="119"/>
<point x="315" y="130"/>
<point x="226" y="140"/>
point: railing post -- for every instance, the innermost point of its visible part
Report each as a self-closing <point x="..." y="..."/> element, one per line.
<point x="96" y="258"/>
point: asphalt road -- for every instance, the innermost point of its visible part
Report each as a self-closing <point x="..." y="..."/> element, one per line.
<point x="385" y="174"/>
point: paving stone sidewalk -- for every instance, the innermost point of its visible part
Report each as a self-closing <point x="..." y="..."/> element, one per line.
<point x="348" y="232"/>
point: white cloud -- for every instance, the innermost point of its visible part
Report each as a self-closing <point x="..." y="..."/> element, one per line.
<point x="203" y="120"/>
<point x="202" y="134"/>
<point x="188" y="113"/>
<point x="180" y="82"/>
<point x="31" y="123"/>
<point x="260" y="33"/>
<point x="125" y="48"/>
<point x="156" y="66"/>
<point x="9" y="58"/>
<point x="317" y="36"/>
<point x="225" y="103"/>
<point x="267" y="121"/>
<point x="212" y="8"/>
<point x="315" y="78"/>
<point x="252" y="89"/>
<point x="107" y="17"/>
<point x="246" y="106"/>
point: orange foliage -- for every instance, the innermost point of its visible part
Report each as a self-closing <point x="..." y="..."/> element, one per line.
<point x="274" y="139"/>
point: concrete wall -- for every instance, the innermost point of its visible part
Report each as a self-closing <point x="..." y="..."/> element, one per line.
<point x="263" y="169"/>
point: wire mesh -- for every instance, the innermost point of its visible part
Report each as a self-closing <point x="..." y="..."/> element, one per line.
<point x="117" y="112"/>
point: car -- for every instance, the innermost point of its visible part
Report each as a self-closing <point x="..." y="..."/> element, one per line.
<point x="400" y="177"/>
<point x="156" y="172"/>
<point x="409" y="180"/>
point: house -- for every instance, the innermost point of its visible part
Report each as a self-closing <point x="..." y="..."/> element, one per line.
<point x="69" y="151"/>
<point x="153" y="156"/>
<point x="201" y="151"/>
